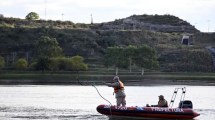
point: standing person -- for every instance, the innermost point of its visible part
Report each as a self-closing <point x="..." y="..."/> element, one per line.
<point x="161" y="103"/>
<point x="118" y="91"/>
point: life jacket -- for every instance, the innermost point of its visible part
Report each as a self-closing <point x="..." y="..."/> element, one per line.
<point x="120" y="87"/>
<point x="165" y="105"/>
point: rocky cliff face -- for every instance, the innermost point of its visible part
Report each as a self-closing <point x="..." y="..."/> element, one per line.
<point x="165" y="23"/>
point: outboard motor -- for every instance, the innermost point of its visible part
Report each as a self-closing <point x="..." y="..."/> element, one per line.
<point x="186" y="104"/>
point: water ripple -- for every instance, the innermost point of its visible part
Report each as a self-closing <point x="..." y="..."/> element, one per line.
<point x="7" y="112"/>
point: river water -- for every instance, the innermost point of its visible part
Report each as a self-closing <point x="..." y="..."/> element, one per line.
<point x="39" y="102"/>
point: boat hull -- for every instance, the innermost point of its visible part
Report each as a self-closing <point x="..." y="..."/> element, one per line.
<point x="148" y="112"/>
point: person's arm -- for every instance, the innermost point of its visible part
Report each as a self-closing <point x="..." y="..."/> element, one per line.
<point x="112" y="84"/>
<point x="162" y="103"/>
<point x="153" y="106"/>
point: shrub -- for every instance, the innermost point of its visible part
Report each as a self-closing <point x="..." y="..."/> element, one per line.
<point x="75" y="63"/>
<point x="2" y="62"/>
<point x="32" y="66"/>
<point x="21" y="64"/>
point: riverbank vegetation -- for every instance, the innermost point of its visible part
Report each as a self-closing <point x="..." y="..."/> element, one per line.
<point x="99" y="51"/>
<point x="88" y="78"/>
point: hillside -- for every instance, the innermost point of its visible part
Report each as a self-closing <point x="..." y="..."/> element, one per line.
<point x="164" y="33"/>
<point x="23" y="23"/>
<point x="159" y="23"/>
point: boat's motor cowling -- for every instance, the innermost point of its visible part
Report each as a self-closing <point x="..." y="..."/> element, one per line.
<point x="186" y="104"/>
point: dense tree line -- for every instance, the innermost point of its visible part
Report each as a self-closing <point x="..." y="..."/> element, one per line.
<point x="141" y="56"/>
<point x="189" y="60"/>
<point x="48" y="56"/>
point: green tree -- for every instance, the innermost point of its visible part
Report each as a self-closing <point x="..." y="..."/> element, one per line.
<point x="48" y="47"/>
<point x="78" y="63"/>
<point x="145" y="57"/>
<point x="42" y="63"/>
<point x="33" y="65"/>
<point x="130" y="53"/>
<point x="21" y="64"/>
<point x="2" y="62"/>
<point x="59" y="63"/>
<point x="32" y="16"/>
<point x="115" y="56"/>
<point x="75" y="63"/>
<point x="54" y="64"/>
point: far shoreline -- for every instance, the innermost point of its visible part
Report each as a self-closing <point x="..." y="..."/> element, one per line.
<point x="127" y="82"/>
<point x="129" y="79"/>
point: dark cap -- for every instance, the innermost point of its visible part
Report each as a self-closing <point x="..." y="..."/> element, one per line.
<point x="116" y="78"/>
<point x="161" y="96"/>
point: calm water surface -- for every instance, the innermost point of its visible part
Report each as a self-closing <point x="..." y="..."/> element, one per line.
<point x="80" y="102"/>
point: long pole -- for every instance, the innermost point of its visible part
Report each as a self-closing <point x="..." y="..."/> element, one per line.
<point x="62" y="16"/>
<point x="91" y="19"/>
<point x="208" y="25"/>
<point x="45" y="8"/>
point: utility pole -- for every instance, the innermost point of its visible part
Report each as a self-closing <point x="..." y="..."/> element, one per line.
<point x="91" y="19"/>
<point x="45" y="8"/>
<point x="62" y="16"/>
<point x="208" y="25"/>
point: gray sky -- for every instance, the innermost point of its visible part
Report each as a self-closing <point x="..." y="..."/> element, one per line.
<point x="199" y="13"/>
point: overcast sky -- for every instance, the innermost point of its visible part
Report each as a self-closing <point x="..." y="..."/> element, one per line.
<point x="200" y="13"/>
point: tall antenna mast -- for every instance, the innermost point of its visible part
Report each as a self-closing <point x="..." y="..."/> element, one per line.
<point x="91" y="19"/>
<point x="208" y="25"/>
<point x="62" y="16"/>
<point x="45" y="8"/>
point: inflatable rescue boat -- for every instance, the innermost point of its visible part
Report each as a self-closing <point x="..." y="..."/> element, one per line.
<point x="183" y="111"/>
<point x="147" y="112"/>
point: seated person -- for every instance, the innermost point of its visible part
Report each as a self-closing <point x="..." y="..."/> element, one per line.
<point x="161" y="103"/>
